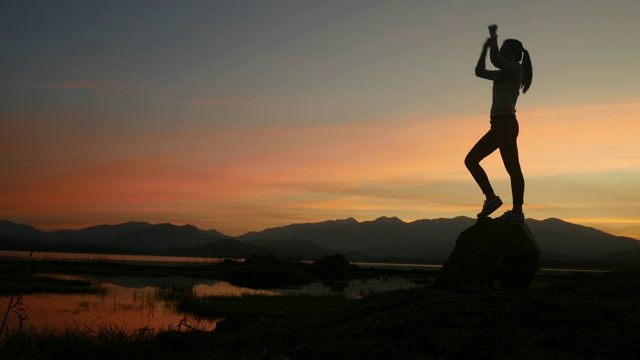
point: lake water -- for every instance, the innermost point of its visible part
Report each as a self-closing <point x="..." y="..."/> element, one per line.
<point x="135" y="302"/>
<point x="177" y="260"/>
<point x="171" y="260"/>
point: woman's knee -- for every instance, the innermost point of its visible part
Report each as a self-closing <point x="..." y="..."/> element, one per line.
<point x="471" y="161"/>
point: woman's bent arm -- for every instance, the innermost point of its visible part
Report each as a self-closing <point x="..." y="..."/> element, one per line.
<point x="481" y="70"/>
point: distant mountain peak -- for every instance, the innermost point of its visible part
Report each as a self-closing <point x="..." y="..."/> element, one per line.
<point x="11" y="229"/>
<point x="555" y="220"/>
<point x="389" y="220"/>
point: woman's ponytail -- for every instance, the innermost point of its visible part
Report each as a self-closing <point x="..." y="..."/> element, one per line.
<point x="528" y="71"/>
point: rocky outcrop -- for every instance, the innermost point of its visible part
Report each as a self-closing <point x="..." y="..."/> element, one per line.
<point x="491" y="253"/>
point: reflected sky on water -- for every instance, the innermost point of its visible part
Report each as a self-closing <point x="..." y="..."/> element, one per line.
<point x="136" y="302"/>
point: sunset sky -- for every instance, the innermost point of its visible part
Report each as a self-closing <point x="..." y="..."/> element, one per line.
<point x="243" y="115"/>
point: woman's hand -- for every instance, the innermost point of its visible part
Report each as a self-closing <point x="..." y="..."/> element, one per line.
<point x="487" y="44"/>
<point x="493" y="30"/>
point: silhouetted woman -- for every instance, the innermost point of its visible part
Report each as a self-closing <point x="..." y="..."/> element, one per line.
<point x="510" y="77"/>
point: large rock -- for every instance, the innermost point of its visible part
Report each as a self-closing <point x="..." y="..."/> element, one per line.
<point x="491" y="253"/>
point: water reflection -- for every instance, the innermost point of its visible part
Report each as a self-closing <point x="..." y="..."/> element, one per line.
<point x="147" y="302"/>
<point x="355" y="288"/>
<point x="223" y="288"/>
<point x="124" y="258"/>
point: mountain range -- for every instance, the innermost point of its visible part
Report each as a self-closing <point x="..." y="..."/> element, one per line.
<point x="389" y="239"/>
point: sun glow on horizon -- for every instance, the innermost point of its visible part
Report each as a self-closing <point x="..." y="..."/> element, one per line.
<point x="363" y="170"/>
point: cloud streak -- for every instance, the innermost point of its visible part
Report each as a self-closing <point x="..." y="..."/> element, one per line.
<point x="82" y="85"/>
<point x="214" y="102"/>
<point x="111" y="87"/>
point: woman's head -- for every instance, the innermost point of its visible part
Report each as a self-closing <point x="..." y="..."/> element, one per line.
<point x="513" y="50"/>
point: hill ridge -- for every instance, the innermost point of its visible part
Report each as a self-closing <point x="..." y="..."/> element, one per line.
<point x="384" y="237"/>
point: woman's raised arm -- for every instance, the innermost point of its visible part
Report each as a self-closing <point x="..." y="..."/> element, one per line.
<point x="494" y="54"/>
<point x="481" y="69"/>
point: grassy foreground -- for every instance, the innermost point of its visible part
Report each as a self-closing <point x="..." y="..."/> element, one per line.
<point x="574" y="317"/>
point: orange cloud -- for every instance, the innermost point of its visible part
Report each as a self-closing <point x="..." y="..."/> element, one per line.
<point x="589" y="138"/>
<point x="241" y="179"/>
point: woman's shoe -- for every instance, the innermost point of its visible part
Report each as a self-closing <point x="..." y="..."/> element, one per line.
<point x="511" y="217"/>
<point x="490" y="206"/>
